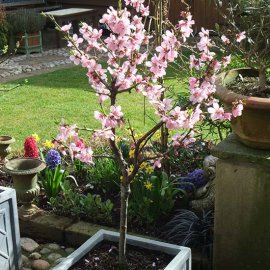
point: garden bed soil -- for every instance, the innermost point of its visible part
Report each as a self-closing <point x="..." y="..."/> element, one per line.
<point x="249" y="86"/>
<point x="105" y="256"/>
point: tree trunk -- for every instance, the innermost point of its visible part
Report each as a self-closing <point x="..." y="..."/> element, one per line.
<point x="262" y="78"/>
<point x="125" y="192"/>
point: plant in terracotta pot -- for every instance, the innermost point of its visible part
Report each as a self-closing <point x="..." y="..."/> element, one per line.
<point x="247" y="35"/>
<point x="26" y="25"/>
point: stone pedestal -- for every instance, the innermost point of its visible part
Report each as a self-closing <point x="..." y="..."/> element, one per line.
<point x="242" y="207"/>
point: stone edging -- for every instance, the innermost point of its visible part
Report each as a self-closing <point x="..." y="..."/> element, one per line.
<point x="59" y="229"/>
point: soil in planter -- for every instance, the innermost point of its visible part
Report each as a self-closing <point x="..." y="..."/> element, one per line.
<point x="249" y="86"/>
<point x="105" y="256"/>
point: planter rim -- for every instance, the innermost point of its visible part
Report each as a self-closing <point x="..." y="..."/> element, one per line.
<point x="5" y="139"/>
<point x="229" y="96"/>
<point x="41" y="165"/>
<point x="182" y="254"/>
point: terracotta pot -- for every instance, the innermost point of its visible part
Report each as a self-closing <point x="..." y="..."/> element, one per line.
<point x="253" y="127"/>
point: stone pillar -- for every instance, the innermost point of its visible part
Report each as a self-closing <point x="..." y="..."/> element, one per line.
<point x="242" y="207"/>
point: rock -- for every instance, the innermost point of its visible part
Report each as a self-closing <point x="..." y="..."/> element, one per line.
<point x="54" y="256"/>
<point x="25" y="261"/>
<point x="54" y="246"/>
<point x="28" y="244"/>
<point x="35" y="256"/>
<point x="69" y="250"/>
<point x="40" y="265"/>
<point x="45" y="251"/>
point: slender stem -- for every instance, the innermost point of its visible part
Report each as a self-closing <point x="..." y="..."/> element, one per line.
<point x="125" y="192"/>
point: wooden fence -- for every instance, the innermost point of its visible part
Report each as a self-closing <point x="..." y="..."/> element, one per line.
<point x="204" y="11"/>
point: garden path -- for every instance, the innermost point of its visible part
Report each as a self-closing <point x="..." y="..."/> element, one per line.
<point x="23" y="66"/>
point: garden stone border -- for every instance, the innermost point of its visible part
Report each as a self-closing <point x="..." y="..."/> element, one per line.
<point x="73" y="233"/>
<point x="182" y="259"/>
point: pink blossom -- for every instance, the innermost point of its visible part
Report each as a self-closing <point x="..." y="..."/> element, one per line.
<point x="226" y="60"/>
<point x="225" y="40"/>
<point x="240" y="36"/>
<point x="216" y="112"/>
<point x="157" y="163"/>
<point x="67" y="133"/>
<point x="185" y="26"/>
<point x="237" y="109"/>
<point x="85" y="155"/>
<point x="194" y="62"/>
<point x="157" y="66"/>
<point x="66" y="28"/>
<point x="107" y="134"/>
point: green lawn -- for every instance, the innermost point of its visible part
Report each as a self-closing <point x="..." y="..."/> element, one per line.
<point x="35" y="107"/>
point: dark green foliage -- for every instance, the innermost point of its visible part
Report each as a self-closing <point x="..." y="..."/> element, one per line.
<point x="185" y="160"/>
<point x="193" y="230"/>
<point x="52" y="180"/>
<point x="3" y="30"/>
<point x="89" y="207"/>
<point x="148" y="205"/>
<point x="105" y="174"/>
<point x="25" y="20"/>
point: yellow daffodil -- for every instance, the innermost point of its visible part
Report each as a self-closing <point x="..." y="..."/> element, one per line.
<point x="48" y="144"/>
<point x="148" y="185"/>
<point x="149" y="169"/>
<point x="131" y="153"/>
<point x="130" y="169"/>
<point x="36" y="137"/>
<point x="143" y="166"/>
<point x="121" y="178"/>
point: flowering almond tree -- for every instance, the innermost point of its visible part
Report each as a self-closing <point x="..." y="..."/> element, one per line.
<point x="132" y="67"/>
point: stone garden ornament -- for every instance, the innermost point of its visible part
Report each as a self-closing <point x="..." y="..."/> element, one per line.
<point x="204" y="197"/>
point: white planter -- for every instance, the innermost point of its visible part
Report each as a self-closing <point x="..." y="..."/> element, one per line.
<point x="181" y="261"/>
<point x="10" y="249"/>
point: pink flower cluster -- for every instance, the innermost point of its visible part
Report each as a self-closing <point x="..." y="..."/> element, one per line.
<point x="130" y="66"/>
<point x="68" y="140"/>
<point x="112" y="120"/>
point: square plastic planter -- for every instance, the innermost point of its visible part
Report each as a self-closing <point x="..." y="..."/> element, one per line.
<point x="181" y="261"/>
<point x="10" y="250"/>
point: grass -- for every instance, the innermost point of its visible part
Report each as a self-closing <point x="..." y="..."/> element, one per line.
<point x="36" y="107"/>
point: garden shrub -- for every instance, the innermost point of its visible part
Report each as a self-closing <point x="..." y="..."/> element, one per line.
<point x="153" y="196"/>
<point x="194" y="230"/>
<point x="88" y="207"/>
<point x="105" y="174"/>
<point x="185" y="160"/>
<point x="3" y="30"/>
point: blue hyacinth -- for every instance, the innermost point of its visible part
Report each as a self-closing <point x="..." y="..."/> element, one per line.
<point x="53" y="159"/>
<point x="192" y="181"/>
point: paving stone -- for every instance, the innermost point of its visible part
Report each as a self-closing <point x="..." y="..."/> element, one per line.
<point x="53" y="246"/>
<point x="28" y="244"/>
<point x="35" y="256"/>
<point x="40" y="265"/>
<point x="25" y="261"/>
<point x="46" y="226"/>
<point x="45" y="251"/>
<point x="54" y="256"/>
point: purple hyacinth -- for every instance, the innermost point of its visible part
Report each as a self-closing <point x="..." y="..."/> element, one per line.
<point x="53" y="159"/>
<point x="192" y="181"/>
